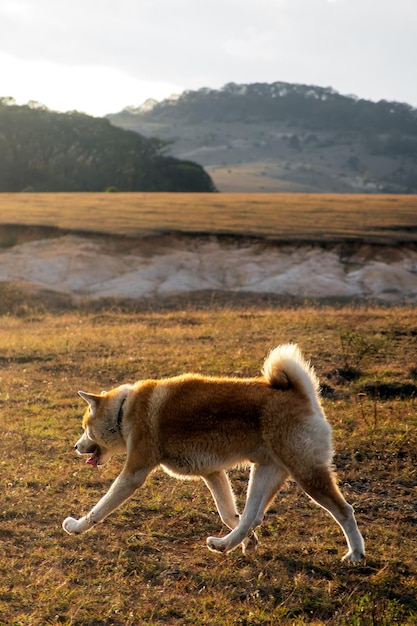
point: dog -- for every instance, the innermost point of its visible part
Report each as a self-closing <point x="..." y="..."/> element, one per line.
<point x="195" y="426"/>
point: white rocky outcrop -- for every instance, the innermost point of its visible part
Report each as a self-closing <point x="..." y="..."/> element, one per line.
<point x="101" y="267"/>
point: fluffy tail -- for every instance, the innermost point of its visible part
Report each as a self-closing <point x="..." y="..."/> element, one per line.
<point x="285" y="365"/>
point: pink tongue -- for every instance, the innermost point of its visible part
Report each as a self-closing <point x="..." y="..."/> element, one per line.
<point x="93" y="460"/>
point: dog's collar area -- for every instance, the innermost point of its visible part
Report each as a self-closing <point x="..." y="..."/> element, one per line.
<point x="120" y="414"/>
<point x="119" y="418"/>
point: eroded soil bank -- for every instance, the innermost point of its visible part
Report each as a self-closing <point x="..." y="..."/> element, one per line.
<point x="93" y="267"/>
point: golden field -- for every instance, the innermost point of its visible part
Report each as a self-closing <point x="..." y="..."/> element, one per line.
<point x="310" y="217"/>
<point x="148" y="563"/>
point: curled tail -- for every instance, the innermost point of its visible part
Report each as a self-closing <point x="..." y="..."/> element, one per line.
<point x="285" y="365"/>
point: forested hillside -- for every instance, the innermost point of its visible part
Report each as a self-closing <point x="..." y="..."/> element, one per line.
<point x="315" y="107"/>
<point x="287" y="137"/>
<point x="41" y="150"/>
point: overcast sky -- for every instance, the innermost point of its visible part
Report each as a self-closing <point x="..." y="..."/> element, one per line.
<point x="98" y="56"/>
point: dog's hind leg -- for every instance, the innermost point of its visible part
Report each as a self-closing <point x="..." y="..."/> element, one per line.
<point x="265" y="482"/>
<point x="320" y="485"/>
<point x="221" y="490"/>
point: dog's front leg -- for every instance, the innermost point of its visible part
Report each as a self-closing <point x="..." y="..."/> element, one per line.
<point x="264" y="483"/>
<point x="123" y="487"/>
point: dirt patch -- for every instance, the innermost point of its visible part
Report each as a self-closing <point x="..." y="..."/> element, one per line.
<point x="388" y="391"/>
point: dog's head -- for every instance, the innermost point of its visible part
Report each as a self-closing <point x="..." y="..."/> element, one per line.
<point x="103" y="425"/>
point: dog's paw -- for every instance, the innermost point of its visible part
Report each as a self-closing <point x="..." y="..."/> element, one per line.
<point x="250" y="544"/>
<point x="72" y="526"/>
<point x="353" y="556"/>
<point x="217" y="545"/>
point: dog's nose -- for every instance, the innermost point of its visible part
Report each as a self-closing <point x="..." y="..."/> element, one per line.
<point x="76" y="446"/>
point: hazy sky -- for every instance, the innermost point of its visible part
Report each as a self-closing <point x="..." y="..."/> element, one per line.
<point x="99" y="56"/>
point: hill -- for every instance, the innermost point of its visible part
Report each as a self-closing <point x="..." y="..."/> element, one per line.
<point x="41" y="150"/>
<point x="286" y="137"/>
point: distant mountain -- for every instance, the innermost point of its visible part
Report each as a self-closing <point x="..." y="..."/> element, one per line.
<point x="286" y="137"/>
<point x="41" y="150"/>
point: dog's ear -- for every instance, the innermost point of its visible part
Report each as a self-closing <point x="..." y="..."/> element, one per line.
<point x="91" y="398"/>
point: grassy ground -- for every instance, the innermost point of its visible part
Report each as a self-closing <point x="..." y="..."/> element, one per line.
<point x="317" y="217"/>
<point x="148" y="564"/>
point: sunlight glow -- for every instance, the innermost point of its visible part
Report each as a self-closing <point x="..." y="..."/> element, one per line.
<point x="93" y="90"/>
<point x="14" y="7"/>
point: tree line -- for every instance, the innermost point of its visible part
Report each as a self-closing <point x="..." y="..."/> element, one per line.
<point x="313" y="107"/>
<point x="42" y="150"/>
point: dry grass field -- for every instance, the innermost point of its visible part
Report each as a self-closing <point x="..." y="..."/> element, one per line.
<point x="148" y="564"/>
<point x="309" y="217"/>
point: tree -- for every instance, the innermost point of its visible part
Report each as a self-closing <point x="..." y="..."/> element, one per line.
<point x="50" y="151"/>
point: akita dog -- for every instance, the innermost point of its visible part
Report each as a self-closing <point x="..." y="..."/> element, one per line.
<point x="197" y="426"/>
